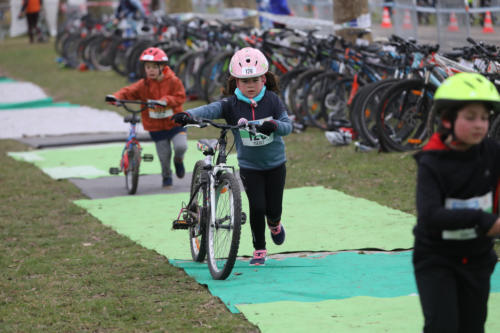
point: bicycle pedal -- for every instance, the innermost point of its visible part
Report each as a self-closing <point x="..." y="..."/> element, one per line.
<point x="180" y="224"/>
<point x="243" y="218"/>
<point x="114" y="171"/>
<point x="147" y="157"/>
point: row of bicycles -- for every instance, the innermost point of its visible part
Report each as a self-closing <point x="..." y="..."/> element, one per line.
<point x="381" y="91"/>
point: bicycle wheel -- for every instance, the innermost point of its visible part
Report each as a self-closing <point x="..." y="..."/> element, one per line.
<point x="132" y="171"/>
<point x="403" y="115"/>
<point x="364" y="111"/>
<point x="314" y="96"/>
<point x="197" y="232"/>
<point x="224" y="229"/>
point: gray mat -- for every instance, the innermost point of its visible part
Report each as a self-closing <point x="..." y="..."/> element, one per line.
<point x="114" y="186"/>
<point x="79" y="139"/>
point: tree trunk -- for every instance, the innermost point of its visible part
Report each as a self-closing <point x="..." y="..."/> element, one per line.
<point x="345" y="11"/>
<point x="252" y="21"/>
<point x="179" y="6"/>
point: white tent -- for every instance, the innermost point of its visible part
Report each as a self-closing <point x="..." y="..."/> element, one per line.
<point x="50" y="8"/>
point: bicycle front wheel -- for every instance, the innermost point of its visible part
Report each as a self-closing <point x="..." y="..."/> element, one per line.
<point x="224" y="230"/>
<point x="132" y="171"/>
<point x="197" y="231"/>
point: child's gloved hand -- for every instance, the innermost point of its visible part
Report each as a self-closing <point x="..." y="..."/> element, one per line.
<point x="267" y="127"/>
<point x="111" y="99"/>
<point x="182" y="118"/>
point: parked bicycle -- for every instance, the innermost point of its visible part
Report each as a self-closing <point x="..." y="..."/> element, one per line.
<point x="213" y="216"/>
<point x="131" y="155"/>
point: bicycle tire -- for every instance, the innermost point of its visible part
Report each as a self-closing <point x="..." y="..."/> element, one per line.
<point x="296" y="93"/>
<point x="336" y="100"/>
<point x="285" y="82"/>
<point x="364" y="110"/>
<point x="315" y="110"/>
<point x="99" y="53"/>
<point x="223" y="239"/>
<point x="132" y="172"/>
<point x="217" y="73"/>
<point x="197" y="232"/>
<point x="402" y="116"/>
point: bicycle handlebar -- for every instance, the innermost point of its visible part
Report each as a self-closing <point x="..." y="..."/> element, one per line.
<point x="203" y="122"/>
<point x="150" y="103"/>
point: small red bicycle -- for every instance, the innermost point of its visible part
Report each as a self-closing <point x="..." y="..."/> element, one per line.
<point x="131" y="156"/>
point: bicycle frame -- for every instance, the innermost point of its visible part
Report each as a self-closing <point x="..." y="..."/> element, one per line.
<point x="131" y="141"/>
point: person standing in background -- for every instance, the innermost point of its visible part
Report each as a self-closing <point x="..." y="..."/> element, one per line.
<point x="31" y="10"/>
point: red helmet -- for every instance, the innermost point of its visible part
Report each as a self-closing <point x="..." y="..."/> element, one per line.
<point x="154" y="54"/>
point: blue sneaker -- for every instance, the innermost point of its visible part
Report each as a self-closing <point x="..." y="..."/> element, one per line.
<point x="179" y="169"/>
<point x="278" y="234"/>
<point x="167" y="182"/>
<point x="259" y="258"/>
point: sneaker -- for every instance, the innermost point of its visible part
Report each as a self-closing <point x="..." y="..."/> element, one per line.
<point x="179" y="169"/>
<point x="278" y="234"/>
<point x="167" y="182"/>
<point x="259" y="257"/>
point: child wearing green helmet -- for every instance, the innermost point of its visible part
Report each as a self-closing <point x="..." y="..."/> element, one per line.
<point x="457" y="213"/>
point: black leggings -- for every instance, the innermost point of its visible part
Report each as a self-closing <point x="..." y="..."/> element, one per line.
<point x="264" y="189"/>
<point x="453" y="295"/>
<point x="32" y="25"/>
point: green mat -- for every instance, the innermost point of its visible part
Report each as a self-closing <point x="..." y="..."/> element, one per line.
<point x="93" y="161"/>
<point x="4" y="79"/>
<point x="147" y="220"/>
<point x="352" y="315"/>
<point x="314" y="278"/>
<point x="39" y="103"/>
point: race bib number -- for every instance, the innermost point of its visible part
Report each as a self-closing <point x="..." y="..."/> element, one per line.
<point x="251" y="70"/>
<point x="255" y="140"/>
<point x="252" y="140"/>
<point x="155" y="114"/>
<point x="484" y="203"/>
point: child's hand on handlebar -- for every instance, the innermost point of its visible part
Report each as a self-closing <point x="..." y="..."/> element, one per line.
<point x="110" y="99"/>
<point x="183" y="118"/>
<point x="267" y="127"/>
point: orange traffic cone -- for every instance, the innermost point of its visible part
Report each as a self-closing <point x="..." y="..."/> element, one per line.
<point x="488" y="25"/>
<point x="386" y="19"/>
<point x="453" y="26"/>
<point x="407" y="21"/>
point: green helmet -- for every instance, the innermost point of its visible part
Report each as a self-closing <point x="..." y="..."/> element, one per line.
<point x="463" y="88"/>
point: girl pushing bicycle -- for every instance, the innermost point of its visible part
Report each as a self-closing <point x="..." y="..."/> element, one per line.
<point x="161" y="83"/>
<point x="261" y="159"/>
<point x="457" y="180"/>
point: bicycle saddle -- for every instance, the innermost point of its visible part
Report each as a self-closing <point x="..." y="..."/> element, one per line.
<point x="207" y="146"/>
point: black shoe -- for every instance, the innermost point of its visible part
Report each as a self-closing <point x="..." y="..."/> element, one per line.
<point x="179" y="169"/>
<point x="167" y="182"/>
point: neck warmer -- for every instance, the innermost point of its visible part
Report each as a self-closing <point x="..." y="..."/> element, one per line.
<point x="251" y="101"/>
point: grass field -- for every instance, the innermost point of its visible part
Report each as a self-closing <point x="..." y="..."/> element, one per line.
<point x="63" y="271"/>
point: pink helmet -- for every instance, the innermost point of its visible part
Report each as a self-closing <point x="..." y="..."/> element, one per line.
<point x="154" y="54"/>
<point x="248" y="62"/>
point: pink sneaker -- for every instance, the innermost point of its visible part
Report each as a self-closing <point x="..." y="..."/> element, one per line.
<point x="259" y="257"/>
<point x="278" y="234"/>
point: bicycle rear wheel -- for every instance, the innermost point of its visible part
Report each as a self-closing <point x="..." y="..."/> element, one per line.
<point x="223" y="233"/>
<point x="132" y="171"/>
<point x="197" y="231"/>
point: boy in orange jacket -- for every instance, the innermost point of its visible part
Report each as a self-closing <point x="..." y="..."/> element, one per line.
<point x="161" y="83"/>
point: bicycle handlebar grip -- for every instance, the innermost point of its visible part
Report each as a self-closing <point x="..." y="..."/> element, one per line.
<point x="470" y="40"/>
<point x="110" y="98"/>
